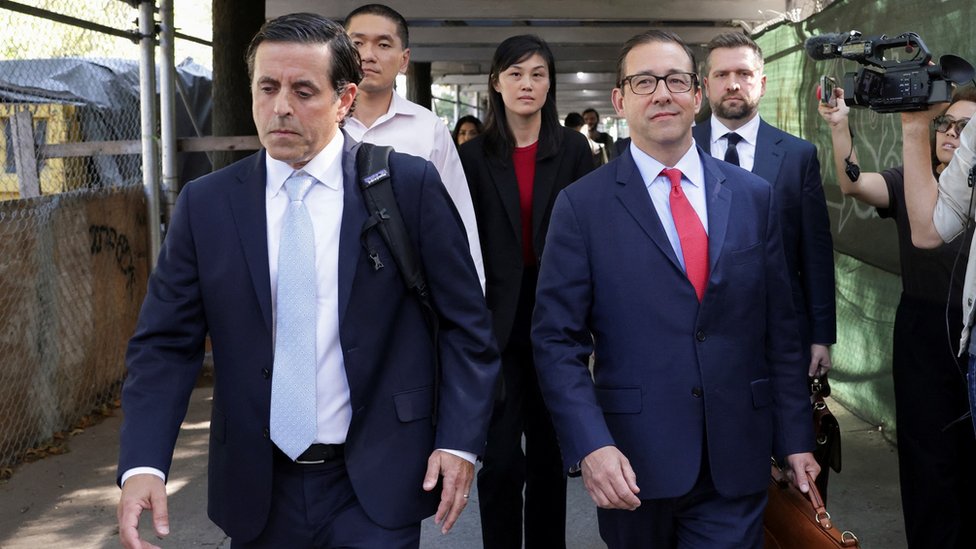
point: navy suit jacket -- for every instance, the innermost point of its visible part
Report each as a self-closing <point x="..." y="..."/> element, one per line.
<point x="790" y="165"/>
<point x="212" y="277"/>
<point x="670" y="372"/>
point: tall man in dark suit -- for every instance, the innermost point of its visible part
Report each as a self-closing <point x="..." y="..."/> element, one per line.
<point x="734" y="85"/>
<point x="323" y="430"/>
<point x="669" y="265"/>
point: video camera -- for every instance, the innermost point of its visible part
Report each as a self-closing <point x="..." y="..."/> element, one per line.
<point x="896" y="74"/>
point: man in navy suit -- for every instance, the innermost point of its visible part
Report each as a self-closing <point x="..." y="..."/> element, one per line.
<point x="391" y="442"/>
<point x="668" y="266"/>
<point x="734" y="85"/>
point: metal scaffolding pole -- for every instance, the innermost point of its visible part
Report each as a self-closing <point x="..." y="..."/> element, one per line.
<point x="167" y="108"/>
<point x="147" y="102"/>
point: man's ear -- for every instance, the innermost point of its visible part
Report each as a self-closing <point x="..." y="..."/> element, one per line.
<point x="617" y="98"/>
<point x="405" y="62"/>
<point x="346" y="100"/>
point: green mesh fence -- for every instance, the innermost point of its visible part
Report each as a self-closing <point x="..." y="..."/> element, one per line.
<point x="868" y="283"/>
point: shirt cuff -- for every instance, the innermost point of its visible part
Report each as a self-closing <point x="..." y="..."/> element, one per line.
<point x="466" y="456"/>
<point x="142" y="471"/>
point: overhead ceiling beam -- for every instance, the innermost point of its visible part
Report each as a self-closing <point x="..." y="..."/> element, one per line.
<point x="673" y="10"/>
<point x="459" y="53"/>
<point x="578" y="35"/>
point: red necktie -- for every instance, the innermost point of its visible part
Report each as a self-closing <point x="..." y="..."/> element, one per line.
<point x="691" y="233"/>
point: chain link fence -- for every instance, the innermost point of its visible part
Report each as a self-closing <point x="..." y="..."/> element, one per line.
<point x="73" y="222"/>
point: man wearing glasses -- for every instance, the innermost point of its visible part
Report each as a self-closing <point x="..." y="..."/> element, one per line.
<point x="669" y="265"/>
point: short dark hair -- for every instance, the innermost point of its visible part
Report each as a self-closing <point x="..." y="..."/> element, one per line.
<point x="574" y="120"/>
<point x="732" y="40"/>
<point x="499" y="139"/>
<point x="383" y="10"/>
<point x="648" y="37"/>
<point x="308" y="28"/>
<point x="592" y="110"/>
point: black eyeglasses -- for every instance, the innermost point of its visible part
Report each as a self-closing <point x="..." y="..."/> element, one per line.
<point x="944" y="122"/>
<point x="646" y="84"/>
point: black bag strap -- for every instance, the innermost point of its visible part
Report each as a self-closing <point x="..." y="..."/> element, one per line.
<point x="373" y="171"/>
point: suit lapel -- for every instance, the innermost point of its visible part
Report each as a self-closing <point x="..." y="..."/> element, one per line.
<point x="769" y="154"/>
<point x="718" y="200"/>
<point x="632" y="194"/>
<point x="503" y="177"/>
<point x="248" y="207"/>
<point x="542" y="195"/>
<point x="353" y="217"/>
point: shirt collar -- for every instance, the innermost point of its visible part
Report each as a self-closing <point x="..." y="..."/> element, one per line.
<point x="399" y="106"/>
<point x="748" y="132"/>
<point x="650" y="168"/>
<point x="325" y="167"/>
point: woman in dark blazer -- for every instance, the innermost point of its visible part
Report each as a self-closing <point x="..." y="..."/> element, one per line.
<point x="515" y="169"/>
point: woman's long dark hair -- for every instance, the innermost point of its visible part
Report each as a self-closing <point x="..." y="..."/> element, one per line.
<point x="466" y="119"/>
<point x="499" y="140"/>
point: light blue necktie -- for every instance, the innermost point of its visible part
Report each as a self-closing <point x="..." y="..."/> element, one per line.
<point x="293" y="411"/>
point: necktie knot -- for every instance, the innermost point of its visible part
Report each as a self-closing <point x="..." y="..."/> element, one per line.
<point x="733" y="138"/>
<point x="673" y="175"/>
<point x="297" y="186"/>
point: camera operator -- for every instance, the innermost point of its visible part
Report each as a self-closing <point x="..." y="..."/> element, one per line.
<point x="935" y="451"/>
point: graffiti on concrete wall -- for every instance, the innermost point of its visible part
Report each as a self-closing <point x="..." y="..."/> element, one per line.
<point x="108" y="239"/>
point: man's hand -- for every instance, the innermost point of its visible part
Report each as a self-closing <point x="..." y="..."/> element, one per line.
<point x="798" y="467"/>
<point x="610" y="480"/>
<point x="820" y="363"/>
<point x="458" y="474"/>
<point x="142" y="492"/>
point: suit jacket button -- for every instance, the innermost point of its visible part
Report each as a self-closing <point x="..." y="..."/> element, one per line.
<point x="265" y="373"/>
<point x="700" y="335"/>
<point x="267" y="432"/>
<point x="696" y="392"/>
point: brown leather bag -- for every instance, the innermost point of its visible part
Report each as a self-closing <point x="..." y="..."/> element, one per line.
<point x="797" y="521"/>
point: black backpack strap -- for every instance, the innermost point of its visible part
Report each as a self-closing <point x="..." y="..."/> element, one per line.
<point x="373" y="171"/>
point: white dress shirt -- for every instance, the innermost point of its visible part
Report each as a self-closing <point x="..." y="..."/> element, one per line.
<point x="746" y="148"/>
<point x="659" y="187"/>
<point x="412" y="129"/>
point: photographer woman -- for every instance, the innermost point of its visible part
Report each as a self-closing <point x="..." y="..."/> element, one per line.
<point x="936" y="451"/>
<point x="515" y="170"/>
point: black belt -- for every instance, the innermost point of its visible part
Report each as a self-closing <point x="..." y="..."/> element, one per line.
<point x="320" y="453"/>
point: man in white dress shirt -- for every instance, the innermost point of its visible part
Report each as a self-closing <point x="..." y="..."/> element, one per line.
<point x="383" y="117"/>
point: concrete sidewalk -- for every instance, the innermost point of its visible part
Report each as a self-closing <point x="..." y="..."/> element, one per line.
<point x="69" y="500"/>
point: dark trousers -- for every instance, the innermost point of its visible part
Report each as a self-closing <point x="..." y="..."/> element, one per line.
<point x="506" y="470"/>
<point x="936" y="450"/>
<point x="702" y="518"/>
<point x="314" y="507"/>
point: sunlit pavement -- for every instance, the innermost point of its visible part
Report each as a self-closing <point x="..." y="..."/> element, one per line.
<point x="68" y="501"/>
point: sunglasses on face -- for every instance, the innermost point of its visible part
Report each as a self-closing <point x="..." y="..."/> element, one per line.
<point x="944" y="122"/>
